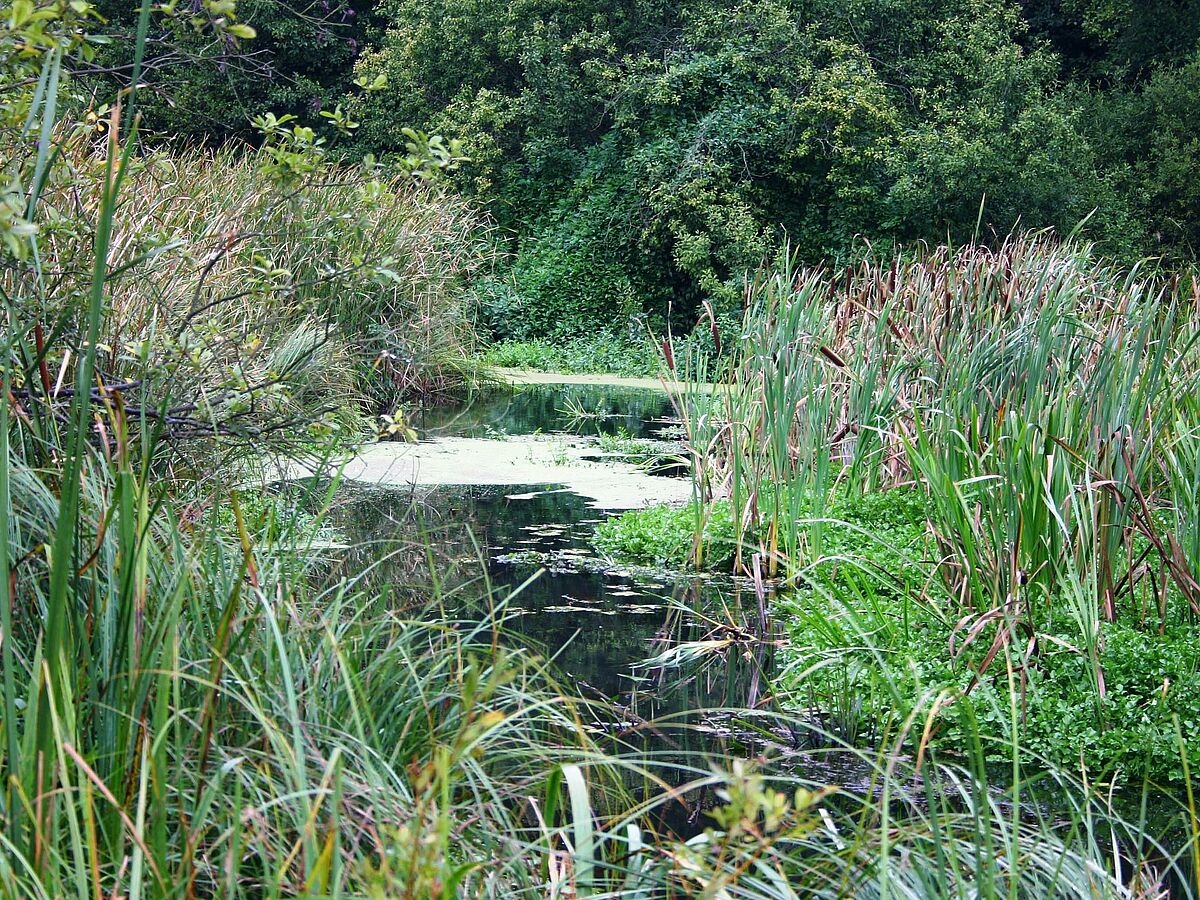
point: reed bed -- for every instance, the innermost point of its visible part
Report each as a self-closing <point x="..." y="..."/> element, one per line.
<point x="263" y="311"/>
<point x="1041" y="403"/>
<point x="1043" y="398"/>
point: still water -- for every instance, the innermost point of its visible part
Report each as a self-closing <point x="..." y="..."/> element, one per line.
<point x="600" y="624"/>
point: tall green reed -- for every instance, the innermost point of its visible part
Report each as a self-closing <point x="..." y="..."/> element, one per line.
<point x="763" y="438"/>
<point x="997" y="378"/>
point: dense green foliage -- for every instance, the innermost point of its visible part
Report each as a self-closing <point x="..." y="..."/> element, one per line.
<point x="644" y="153"/>
<point x="868" y="657"/>
<point x="664" y="536"/>
<point x="1043" y="403"/>
<point x="874" y="628"/>
<point x="639" y="157"/>
<point x="207" y="88"/>
<point x="871" y="641"/>
<point x="888" y="527"/>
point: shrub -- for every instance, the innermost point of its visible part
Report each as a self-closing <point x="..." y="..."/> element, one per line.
<point x="560" y="286"/>
<point x="631" y="356"/>
<point x="268" y="307"/>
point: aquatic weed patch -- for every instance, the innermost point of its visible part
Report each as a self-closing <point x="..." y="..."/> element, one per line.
<point x="1038" y="403"/>
<point x="856" y="528"/>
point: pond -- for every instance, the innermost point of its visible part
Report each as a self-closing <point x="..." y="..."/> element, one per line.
<point x="496" y="504"/>
<point x="497" y="501"/>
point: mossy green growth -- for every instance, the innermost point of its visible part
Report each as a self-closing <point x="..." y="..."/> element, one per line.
<point x="877" y="656"/>
<point x="870" y="633"/>
<point x="663" y="536"/>
<point x="887" y="527"/>
<point x="873" y="638"/>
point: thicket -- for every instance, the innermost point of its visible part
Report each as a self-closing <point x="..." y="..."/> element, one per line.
<point x="644" y="154"/>
<point x="207" y="88"/>
<point x="331" y="299"/>
<point x="639" y="157"/>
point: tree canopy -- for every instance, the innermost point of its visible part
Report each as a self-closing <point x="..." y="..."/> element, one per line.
<point x="642" y="153"/>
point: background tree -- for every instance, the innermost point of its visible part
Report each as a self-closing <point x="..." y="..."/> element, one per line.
<point x="655" y="152"/>
<point x="640" y="156"/>
<point x="208" y="87"/>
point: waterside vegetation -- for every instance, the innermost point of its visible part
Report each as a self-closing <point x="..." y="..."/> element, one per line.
<point x="978" y="470"/>
<point x="973" y="471"/>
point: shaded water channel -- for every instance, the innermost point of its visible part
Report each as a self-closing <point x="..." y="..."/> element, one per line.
<point x="530" y="542"/>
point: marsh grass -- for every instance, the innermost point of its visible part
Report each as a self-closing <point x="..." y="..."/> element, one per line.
<point x="189" y="712"/>
<point x="1041" y="399"/>
<point x="258" y="308"/>
<point x="185" y="713"/>
<point x="967" y="370"/>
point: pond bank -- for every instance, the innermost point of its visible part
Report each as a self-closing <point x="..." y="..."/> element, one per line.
<point x="532" y="376"/>
<point x="520" y="377"/>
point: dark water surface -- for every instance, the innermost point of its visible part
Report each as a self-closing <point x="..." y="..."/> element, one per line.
<point x="564" y="408"/>
<point x="599" y="626"/>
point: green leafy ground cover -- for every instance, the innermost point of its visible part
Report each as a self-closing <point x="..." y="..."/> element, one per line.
<point x="872" y="643"/>
<point x="596" y="355"/>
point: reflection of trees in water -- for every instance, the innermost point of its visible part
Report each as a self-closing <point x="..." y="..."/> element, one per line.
<point x="445" y="535"/>
<point x="545" y="408"/>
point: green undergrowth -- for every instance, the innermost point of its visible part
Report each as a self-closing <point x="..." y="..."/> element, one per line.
<point x="592" y="355"/>
<point x="867" y="655"/>
<point x="662" y="535"/>
<point x="270" y="515"/>
<point x="871" y="643"/>
<point x="888" y="526"/>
